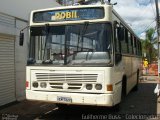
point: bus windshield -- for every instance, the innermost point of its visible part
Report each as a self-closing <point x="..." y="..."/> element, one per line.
<point x="87" y="44"/>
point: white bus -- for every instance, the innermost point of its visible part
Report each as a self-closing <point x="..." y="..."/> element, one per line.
<point x="81" y="55"/>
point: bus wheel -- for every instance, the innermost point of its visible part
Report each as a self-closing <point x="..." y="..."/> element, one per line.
<point x="136" y="86"/>
<point x="124" y="85"/>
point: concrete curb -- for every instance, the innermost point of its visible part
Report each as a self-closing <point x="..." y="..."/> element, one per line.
<point x="149" y="78"/>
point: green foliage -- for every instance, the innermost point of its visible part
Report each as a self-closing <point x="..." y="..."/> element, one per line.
<point x="149" y="34"/>
<point x="148" y="45"/>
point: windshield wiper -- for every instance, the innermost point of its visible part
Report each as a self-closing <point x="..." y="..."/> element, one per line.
<point x="84" y="28"/>
<point x="81" y="34"/>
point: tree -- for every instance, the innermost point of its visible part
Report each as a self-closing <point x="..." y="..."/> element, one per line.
<point x="148" y="45"/>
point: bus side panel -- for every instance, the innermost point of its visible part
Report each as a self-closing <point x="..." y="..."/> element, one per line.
<point x="132" y="66"/>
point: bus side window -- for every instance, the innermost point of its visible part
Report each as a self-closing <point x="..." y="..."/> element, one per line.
<point x="130" y="43"/>
<point x="118" y="56"/>
<point x="135" y="45"/>
<point x="116" y="40"/>
<point x="139" y="47"/>
<point x="124" y="43"/>
<point x="126" y="40"/>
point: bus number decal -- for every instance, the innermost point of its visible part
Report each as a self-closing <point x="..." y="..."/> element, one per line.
<point x="65" y="15"/>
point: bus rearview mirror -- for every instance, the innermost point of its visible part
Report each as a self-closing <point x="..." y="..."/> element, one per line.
<point x="21" y="39"/>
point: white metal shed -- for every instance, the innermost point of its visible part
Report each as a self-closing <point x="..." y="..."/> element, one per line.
<point x="14" y="16"/>
<point x="7" y="62"/>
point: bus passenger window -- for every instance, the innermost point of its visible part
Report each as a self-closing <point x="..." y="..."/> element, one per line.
<point x="126" y="40"/>
<point x="134" y="45"/>
<point x="130" y="43"/>
<point x="124" y="46"/>
<point x="117" y="41"/>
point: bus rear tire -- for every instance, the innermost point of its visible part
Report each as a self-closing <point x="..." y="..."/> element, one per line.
<point x="137" y="84"/>
<point x="124" y="88"/>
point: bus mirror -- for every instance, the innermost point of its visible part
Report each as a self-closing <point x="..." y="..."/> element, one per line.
<point x="21" y="36"/>
<point x="121" y="33"/>
<point x="21" y="39"/>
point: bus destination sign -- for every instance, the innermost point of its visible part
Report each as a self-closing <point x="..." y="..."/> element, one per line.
<point x="68" y="15"/>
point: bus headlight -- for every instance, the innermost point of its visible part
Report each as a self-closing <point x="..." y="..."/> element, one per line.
<point x="89" y="86"/>
<point x="43" y="84"/>
<point x="98" y="86"/>
<point x="35" y="84"/>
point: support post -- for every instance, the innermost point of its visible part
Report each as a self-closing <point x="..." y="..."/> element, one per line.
<point x="158" y="33"/>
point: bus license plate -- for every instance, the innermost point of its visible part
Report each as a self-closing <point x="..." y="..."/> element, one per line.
<point x="64" y="99"/>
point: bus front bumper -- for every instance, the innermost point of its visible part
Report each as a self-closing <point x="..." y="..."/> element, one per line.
<point x="71" y="98"/>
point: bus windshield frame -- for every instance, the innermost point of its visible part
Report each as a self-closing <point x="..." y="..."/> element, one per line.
<point x="87" y="44"/>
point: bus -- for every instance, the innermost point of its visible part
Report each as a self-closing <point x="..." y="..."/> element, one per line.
<point x="81" y="55"/>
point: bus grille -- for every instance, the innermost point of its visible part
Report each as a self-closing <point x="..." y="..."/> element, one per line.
<point x="66" y="81"/>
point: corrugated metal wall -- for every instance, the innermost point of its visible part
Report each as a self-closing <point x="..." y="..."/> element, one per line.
<point x="7" y="69"/>
<point x="7" y="20"/>
<point x="7" y="63"/>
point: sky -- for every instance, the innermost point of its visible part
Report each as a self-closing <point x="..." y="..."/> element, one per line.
<point x="139" y="14"/>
